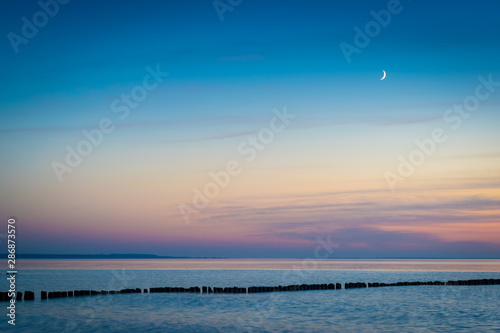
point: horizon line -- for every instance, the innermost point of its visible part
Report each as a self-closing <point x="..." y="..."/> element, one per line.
<point x="154" y="256"/>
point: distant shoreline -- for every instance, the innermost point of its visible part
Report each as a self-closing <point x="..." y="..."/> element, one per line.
<point x="101" y="256"/>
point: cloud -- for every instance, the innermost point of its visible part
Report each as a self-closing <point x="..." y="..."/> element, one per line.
<point x="215" y="137"/>
<point x="475" y="156"/>
<point x="368" y="205"/>
<point x="137" y="124"/>
<point x="471" y="219"/>
<point x="410" y="121"/>
<point x="471" y="203"/>
<point x="373" y="242"/>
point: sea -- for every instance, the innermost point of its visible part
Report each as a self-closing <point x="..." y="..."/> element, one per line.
<point x="388" y="309"/>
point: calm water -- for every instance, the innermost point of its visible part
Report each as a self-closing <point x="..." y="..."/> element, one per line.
<point x="462" y="265"/>
<point x="391" y="309"/>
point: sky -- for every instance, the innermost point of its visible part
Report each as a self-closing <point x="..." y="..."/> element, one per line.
<point x="251" y="128"/>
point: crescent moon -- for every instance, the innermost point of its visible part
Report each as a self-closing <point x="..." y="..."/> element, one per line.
<point x="384" y="75"/>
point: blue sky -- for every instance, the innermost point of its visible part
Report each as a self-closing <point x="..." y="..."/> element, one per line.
<point x="225" y="78"/>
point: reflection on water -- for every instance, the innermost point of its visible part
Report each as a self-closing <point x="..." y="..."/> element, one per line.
<point x="443" y="265"/>
<point x="389" y="309"/>
<point x="408" y="309"/>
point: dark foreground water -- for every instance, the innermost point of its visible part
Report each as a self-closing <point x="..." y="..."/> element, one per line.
<point x="389" y="309"/>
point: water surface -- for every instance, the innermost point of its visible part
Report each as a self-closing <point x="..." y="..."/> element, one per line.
<point x="389" y="309"/>
<point x="458" y="265"/>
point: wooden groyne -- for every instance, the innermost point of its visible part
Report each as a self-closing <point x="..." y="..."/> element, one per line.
<point x="175" y="290"/>
<point x="30" y="295"/>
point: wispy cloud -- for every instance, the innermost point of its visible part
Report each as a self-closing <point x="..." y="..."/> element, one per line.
<point x="409" y="121"/>
<point x="374" y="242"/>
<point x="137" y="124"/>
<point x="469" y="156"/>
<point x="215" y="137"/>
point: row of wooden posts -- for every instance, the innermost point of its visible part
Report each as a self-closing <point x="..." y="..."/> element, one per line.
<point x="29" y="295"/>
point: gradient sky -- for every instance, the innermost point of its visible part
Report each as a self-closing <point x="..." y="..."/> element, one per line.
<point x="323" y="176"/>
